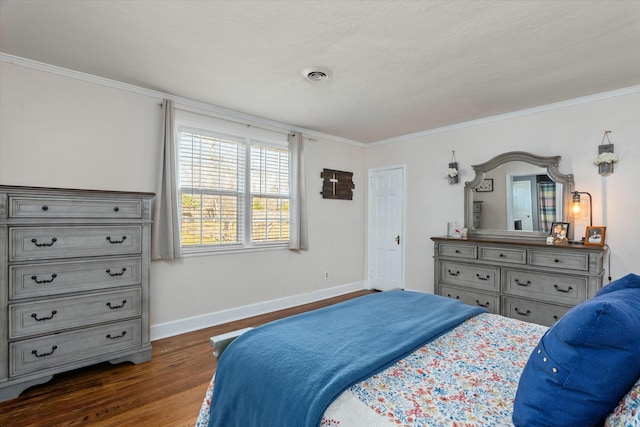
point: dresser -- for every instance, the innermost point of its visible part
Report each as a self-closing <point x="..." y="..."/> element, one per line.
<point x="74" y="282"/>
<point x="525" y="280"/>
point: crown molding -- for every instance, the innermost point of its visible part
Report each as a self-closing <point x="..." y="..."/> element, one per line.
<point x="490" y="119"/>
<point x="187" y="102"/>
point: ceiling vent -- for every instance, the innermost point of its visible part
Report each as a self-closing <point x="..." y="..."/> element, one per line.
<point x="317" y="74"/>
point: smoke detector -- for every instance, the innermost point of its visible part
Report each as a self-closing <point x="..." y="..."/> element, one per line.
<point x="317" y="74"/>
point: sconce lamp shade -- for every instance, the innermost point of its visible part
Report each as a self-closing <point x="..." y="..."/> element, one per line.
<point x="576" y="204"/>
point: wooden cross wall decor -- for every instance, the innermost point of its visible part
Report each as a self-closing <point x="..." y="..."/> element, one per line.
<point x="337" y="184"/>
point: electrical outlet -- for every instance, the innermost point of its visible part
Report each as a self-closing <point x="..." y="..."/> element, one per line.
<point x="326" y="274"/>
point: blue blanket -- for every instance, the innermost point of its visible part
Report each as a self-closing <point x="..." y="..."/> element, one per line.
<point x="286" y="373"/>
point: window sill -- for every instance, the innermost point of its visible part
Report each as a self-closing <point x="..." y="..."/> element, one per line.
<point x="235" y="250"/>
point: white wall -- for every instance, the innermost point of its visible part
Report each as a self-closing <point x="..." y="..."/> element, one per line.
<point x="59" y="131"/>
<point x="572" y="131"/>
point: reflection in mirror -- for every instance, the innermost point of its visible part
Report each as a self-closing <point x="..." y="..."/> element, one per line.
<point x="528" y="194"/>
<point x="524" y="198"/>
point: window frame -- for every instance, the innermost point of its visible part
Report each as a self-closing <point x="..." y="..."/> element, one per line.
<point x="245" y="196"/>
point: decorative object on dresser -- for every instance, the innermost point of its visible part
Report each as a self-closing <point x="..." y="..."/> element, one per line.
<point x="74" y="282"/>
<point x="522" y="279"/>
<point x="594" y="236"/>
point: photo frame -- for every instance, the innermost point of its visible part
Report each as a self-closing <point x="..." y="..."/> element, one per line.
<point x="594" y="235"/>
<point x="560" y="231"/>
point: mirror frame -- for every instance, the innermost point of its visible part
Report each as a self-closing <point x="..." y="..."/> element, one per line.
<point x="550" y="163"/>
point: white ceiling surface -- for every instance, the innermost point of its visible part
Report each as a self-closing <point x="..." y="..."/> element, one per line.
<point x="399" y="67"/>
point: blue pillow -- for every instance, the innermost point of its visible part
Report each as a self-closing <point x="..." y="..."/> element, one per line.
<point x="585" y="363"/>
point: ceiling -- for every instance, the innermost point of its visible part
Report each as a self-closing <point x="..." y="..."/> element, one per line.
<point x="399" y="67"/>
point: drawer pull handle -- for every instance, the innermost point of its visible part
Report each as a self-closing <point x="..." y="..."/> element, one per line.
<point x="556" y="260"/>
<point x="115" y="307"/>
<point x="483" y="278"/>
<point x="115" y="274"/>
<point x="457" y="296"/>
<point x="115" y="337"/>
<point x="528" y="313"/>
<point x="483" y="305"/>
<point x="555" y="318"/>
<point x="116" y="209"/>
<point x="35" y="242"/>
<point x="457" y="273"/>
<point x="116" y="241"/>
<point x="35" y="279"/>
<point x="457" y="251"/>
<point x="40" y="319"/>
<point x="53" y="349"/>
<point x="528" y="283"/>
<point x="566" y="291"/>
<point x="45" y="208"/>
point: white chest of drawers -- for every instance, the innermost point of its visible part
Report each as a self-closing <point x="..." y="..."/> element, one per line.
<point x="74" y="282"/>
<point x="525" y="280"/>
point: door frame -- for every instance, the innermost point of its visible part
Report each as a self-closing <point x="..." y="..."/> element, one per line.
<point x="403" y="232"/>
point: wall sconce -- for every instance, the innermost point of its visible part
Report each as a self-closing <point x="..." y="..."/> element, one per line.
<point x="452" y="172"/>
<point x="606" y="158"/>
<point x="576" y="204"/>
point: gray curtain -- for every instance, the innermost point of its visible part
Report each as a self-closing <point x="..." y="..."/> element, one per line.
<point x="165" y="237"/>
<point x="298" y="236"/>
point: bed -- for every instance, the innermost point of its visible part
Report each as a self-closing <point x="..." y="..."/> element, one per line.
<point x="447" y="365"/>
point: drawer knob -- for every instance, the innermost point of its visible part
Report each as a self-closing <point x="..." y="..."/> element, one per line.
<point x="488" y="276"/>
<point x="115" y="337"/>
<point x="40" y="319"/>
<point x="35" y="242"/>
<point x="522" y="313"/>
<point x="108" y="270"/>
<point x="116" y="209"/>
<point x="457" y="273"/>
<point x="45" y="208"/>
<point x="501" y="255"/>
<point x="115" y="307"/>
<point x="519" y="283"/>
<point x="556" y="260"/>
<point x="53" y="349"/>
<point x="115" y="242"/>
<point x="457" y="251"/>
<point x="485" y="305"/>
<point x="35" y="279"/>
<point x="566" y="291"/>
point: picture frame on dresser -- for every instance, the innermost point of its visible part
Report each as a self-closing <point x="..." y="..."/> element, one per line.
<point x="559" y="231"/>
<point x="595" y="235"/>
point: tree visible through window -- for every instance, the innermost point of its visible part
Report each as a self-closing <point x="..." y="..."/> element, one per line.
<point x="234" y="192"/>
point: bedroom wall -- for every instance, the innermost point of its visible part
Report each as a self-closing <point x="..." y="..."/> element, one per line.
<point x="60" y="131"/>
<point x="572" y="130"/>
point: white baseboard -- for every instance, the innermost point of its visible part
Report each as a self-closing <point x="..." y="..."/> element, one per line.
<point x="177" y="327"/>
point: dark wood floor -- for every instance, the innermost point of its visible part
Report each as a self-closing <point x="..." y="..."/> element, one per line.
<point x="167" y="391"/>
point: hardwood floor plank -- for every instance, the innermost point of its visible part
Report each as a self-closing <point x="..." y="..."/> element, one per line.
<point x="167" y="391"/>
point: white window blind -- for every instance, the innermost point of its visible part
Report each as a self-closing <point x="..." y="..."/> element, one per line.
<point x="234" y="191"/>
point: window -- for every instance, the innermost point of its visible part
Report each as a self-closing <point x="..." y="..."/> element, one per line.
<point x="234" y="192"/>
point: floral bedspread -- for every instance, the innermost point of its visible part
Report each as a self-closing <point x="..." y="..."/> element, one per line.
<point x="467" y="377"/>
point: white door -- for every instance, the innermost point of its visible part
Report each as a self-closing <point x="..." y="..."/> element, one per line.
<point x="386" y="219"/>
<point x="522" y="204"/>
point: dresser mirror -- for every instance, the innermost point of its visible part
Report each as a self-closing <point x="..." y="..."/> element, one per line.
<point x="518" y="195"/>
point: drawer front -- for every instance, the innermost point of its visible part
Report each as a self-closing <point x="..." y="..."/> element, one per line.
<point x="490" y="302"/>
<point x="532" y="311"/>
<point x="55" y="207"/>
<point x="36" y="280"/>
<point x="570" y="261"/>
<point x="458" y="251"/>
<point x="41" y="317"/>
<point x="503" y="255"/>
<point x="33" y="243"/>
<point x="51" y="353"/>
<point x="476" y="276"/>
<point x="549" y="287"/>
